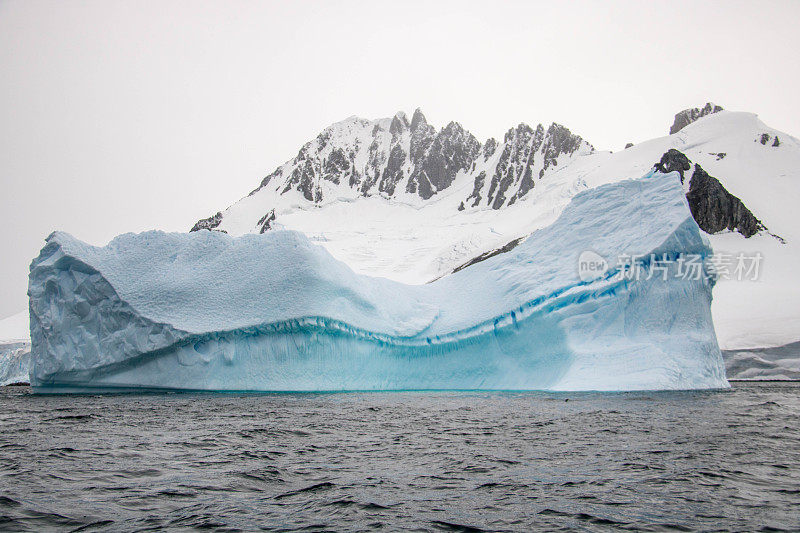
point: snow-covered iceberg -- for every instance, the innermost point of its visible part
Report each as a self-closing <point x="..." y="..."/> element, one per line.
<point x="206" y="311"/>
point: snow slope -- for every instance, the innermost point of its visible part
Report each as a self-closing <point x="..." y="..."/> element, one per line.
<point x="414" y="240"/>
<point x="384" y="195"/>
<point x="275" y="312"/>
<point x="15" y="328"/>
<point x="747" y="314"/>
<point x="776" y="363"/>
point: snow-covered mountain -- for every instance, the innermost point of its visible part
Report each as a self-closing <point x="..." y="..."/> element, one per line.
<point x="687" y="116"/>
<point x="382" y="194"/>
<point x="412" y="162"/>
<point x="403" y="200"/>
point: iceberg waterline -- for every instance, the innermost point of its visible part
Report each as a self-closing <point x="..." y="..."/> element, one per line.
<point x="206" y="311"/>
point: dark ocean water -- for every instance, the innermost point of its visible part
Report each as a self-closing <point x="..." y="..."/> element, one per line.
<point x="427" y="461"/>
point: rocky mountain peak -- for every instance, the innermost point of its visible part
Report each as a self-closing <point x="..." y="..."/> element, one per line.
<point x="418" y="120"/>
<point x="687" y="116"/>
<point x="395" y="156"/>
<point x="489" y="148"/>
<point x="527" y="154"/>
<point x="209" y="223"/>
<point x="452" y="150"/>
<point x="559" y="141"/>
<point x="522" y="131"/>
<point x="399" y="123"/>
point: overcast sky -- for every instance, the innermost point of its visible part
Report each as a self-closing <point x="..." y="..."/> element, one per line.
<point x="127" y="116"/>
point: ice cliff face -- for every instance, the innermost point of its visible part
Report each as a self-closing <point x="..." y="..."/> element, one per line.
<point x="274" y="312"/>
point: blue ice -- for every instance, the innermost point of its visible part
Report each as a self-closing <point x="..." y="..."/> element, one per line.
<point x="274" y="312"/>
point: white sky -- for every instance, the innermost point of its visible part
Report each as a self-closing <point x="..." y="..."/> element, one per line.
<point x="127" y="116"/>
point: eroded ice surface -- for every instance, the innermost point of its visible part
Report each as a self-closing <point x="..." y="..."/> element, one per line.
<point x="275" y="312"/>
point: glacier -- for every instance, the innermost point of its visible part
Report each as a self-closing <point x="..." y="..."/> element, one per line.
<point x="274" y="312"/>
<point x="15" y="349"/>
<point x="15" y="360"/>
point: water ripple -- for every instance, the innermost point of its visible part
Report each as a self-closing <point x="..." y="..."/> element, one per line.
<point x="438" y="461"/>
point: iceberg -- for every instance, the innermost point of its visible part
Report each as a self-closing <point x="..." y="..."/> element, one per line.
<point x="15" y="349"/>
<point x="15" y="360"/>
<point x="274" y="312"/>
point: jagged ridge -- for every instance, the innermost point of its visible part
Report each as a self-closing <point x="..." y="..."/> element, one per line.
<point x="687" y="116"/>
<point x="411" y="159"/>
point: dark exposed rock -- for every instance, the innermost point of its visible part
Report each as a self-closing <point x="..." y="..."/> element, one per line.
<point x="715" y="209"/>
<point x="673" y="161"/>
<point x="515" y="163"/>
<point x="776" y="143"/>
<point x="399" y="124"/>
<point x="208" y="223"/>
<point x="524" y="149"/>
<point x="393" y="172"/>
<point x="421" y="137"/>
<point x="263" y="183"/>
<point x="628" y="145"/>
<point x="376" y="160"/>
<point x="712" y="206"/>
<point x="461" y="206"/>
<point x="418" y="120"/>
<point x="303" y="177"/>
<point x="377" y="157"/>
<point x="687" y="116"/>
<point x="491" y="253"/>
<point x="265" y="222"/>
<point x="558" y="141"/>
<point x="488" y="151"/>
<point x="526" y="182"/>
<point x="480" y="179"/>
<point x="489" y="148"/>
<point x="453" y="149"/>
<point x="765" y="137"/>
<point x="336" y="165"/>
<point x="720" y="155"/>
